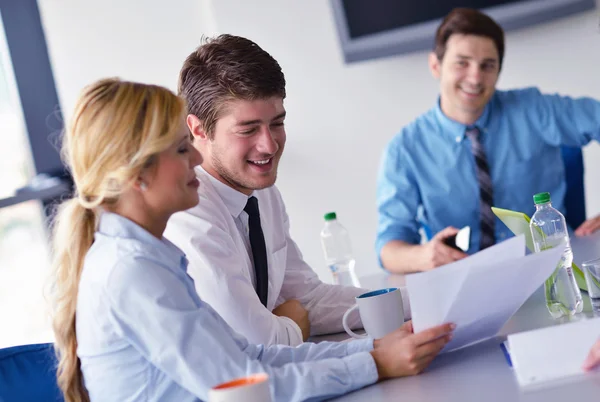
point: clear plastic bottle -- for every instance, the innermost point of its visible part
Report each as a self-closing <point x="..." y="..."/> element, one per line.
<point x="549" y="229"/>
<point x="337" y="249"/>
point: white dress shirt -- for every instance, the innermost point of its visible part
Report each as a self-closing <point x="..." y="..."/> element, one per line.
<point x="215" y="238"/>
<point x="143" y="333"/>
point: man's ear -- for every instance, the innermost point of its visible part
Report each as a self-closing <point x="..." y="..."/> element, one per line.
<point x="196" y="127"/>
<point x="435" y="65"/>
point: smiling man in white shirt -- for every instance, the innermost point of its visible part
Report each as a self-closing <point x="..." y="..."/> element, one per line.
<point x="249" y="269"/>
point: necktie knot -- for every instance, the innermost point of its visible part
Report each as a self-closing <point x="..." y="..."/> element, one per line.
<point x="472" y="133"/>
<point x="251" y="207"/>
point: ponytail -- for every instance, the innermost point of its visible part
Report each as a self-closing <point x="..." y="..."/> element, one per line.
<point x="73" y="235"/>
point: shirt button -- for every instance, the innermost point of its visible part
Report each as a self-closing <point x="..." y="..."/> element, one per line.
<point x="457" y="139"/>
<point x="502" y="235"/>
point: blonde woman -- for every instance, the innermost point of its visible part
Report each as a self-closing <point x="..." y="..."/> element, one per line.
<point x="129" y="325"/>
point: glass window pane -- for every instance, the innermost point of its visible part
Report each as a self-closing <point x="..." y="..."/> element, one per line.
<point x="24" y="263"/>
<point x="24" y="269"/>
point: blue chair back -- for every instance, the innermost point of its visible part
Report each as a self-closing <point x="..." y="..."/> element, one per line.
<point x="575" y="199"/>
<point x="28" y="374"/>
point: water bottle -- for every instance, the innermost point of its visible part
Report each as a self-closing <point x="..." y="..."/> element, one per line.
<point x="337" y="249"/>
<point x="549" y="229"/>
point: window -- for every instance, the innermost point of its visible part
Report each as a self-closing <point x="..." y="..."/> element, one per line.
<point x="31" y="173"/>
<point x="23" y="245"/>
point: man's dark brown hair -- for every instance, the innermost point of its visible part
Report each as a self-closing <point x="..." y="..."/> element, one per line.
<point x="468" y="21"/>
<point x="227" y="68"/>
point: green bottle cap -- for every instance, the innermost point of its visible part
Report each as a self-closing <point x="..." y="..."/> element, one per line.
<point x="329" y="216"/>
<point x="541" y="198"/>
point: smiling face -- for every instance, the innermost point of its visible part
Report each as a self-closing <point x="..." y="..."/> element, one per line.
<point x="468" y="74"/>
<point x="246" y="145"/>
<point x="170" y="181"/>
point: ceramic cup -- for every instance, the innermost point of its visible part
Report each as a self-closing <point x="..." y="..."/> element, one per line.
<point x="253" y="388"/>
<point x="381" y="312"/>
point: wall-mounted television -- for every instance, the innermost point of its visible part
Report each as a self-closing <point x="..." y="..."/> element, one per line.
<point x="371" y="29"/>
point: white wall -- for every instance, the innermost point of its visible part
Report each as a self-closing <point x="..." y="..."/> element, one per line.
<point x="339" y="116"/>
<point x="141" y="40"/>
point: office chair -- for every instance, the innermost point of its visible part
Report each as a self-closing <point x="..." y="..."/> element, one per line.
<point x="28" y="374"/>
<point x="575" y="199"/>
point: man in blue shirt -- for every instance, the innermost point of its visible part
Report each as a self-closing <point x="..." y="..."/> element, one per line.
<point x="477" y="148"/>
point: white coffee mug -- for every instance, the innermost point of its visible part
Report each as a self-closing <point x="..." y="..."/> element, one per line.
<point x="253" y="388"/>
<point x="381" y="312"/>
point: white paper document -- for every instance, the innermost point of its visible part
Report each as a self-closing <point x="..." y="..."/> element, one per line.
<point x="479" y="293"/>
<point x="554" y="353"/>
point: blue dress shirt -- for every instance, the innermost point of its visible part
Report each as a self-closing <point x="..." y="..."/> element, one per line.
<point x="429" y="169"/>
<point x="144" y="334"/>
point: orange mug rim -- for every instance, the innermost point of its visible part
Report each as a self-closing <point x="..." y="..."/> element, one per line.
<point x="242" y="381"/>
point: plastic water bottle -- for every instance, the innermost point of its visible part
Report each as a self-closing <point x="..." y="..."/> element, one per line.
<point x="549" y="229"/>
<point x="337" y="249"/>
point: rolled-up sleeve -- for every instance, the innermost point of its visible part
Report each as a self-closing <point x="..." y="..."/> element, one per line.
<point x="398" y="199"/>
<point x="325" y="303"/>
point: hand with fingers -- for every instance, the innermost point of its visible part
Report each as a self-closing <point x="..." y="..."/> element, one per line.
<point x="588" y="227"/>
<point x="403" y="353"/>
<point x="593" y="359"/>
<point x="437" y="253"/>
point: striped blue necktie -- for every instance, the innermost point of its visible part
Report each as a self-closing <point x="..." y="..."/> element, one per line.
<point x="486" y="194"/>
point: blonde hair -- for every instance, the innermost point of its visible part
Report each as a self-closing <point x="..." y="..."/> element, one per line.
<point x="116" y="131"/>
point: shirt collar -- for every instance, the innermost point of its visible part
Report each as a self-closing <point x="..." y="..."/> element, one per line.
<point x="117" y="226"/>
<point x="233" y="199"/>
<point x="454" y="130"/>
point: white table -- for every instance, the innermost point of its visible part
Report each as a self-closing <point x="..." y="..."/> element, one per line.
<point x="480" y="372"/>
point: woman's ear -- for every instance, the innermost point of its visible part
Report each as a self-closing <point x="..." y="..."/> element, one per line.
<point x="140" y="184"/>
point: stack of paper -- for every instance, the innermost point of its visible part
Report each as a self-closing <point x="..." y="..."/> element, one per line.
<point x="479" y="293"/>
<point x="552" y="354"/>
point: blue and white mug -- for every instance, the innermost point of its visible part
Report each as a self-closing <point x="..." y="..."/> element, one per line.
<point x="381" y="312"/>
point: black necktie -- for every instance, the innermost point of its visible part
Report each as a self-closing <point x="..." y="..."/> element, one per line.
<point x="486" y="193"/>
<point x="259" y="250"/>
